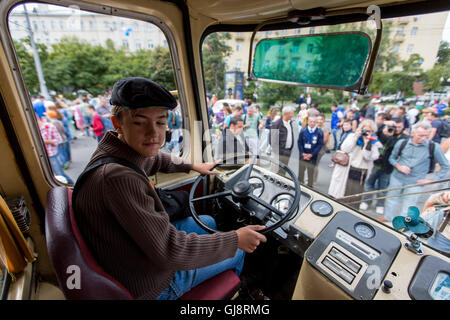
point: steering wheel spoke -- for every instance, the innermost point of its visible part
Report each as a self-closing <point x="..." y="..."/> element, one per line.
<point x="250" y="169"/>
<point x="266" y="205"/>
<point x="241" y="191"/>
<point x="212" y="196"/>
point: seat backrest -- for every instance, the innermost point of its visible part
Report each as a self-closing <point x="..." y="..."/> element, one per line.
<point x="79" y="275"/>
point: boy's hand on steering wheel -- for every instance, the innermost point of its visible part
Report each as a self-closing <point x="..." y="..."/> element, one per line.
<point x="204" y="168"/>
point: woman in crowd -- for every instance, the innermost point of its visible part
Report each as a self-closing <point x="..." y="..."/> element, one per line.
<point x="362" y="147"/>
<point x="327" y="143"/>
<point x="340" y="172"/>
<point x="364" y="153"/>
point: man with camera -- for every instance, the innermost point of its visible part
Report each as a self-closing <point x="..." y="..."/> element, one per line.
<point x="389" y="133"/>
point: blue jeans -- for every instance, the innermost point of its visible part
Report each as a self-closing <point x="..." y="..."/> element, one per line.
<point x="99" y="138"/>
<point x="64" y="152"/>
<point x="58" y="170"/>
<point x="391" y="209"/>
<point x="439" y="241"/>
<point x="371" y="185"/>
<point x="334" y="132"/>
<point x="185" y="280"/>
<point x="87" y="123"/>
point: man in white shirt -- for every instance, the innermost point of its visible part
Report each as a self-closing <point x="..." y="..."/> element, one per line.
<point x="282" y="135"/>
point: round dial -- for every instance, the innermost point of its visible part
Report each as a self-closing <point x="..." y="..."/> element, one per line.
<point x="283" y="202"/>
<point x="321" y="208"/>
<point x="365" y="230"/>
<point x="257" y="185"/>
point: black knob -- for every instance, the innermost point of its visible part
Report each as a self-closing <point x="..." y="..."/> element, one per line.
<point x="387" y="286"/>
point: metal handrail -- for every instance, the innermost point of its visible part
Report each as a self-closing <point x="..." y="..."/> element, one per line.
<point x="394" y="189"/>
<point x="397" y="195"/>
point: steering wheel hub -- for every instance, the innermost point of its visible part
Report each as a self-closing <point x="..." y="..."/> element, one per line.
<point x="241" y="189"/>
<point x="241" y="193"/>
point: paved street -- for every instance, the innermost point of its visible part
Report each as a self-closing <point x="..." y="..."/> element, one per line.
<point x="81" y="149"/>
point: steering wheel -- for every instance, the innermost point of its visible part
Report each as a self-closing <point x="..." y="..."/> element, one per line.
<point x="242" y="195"/>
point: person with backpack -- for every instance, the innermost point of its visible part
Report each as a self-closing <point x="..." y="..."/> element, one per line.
<point x="389" y="133"/>
<point x="445" y="130"/>
<point x="122" y="218"/>
<point x="412" y="160"/>
<point x="253" y="123"/>
<point x="436" y="124"/>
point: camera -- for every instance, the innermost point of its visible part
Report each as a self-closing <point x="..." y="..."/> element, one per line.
<point x="390" y="129"/>
<point x="365" y="133"/>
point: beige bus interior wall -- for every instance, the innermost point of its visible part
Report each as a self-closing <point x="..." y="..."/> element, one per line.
<point x="12" y="183"/>
<point x="11" y="180"/>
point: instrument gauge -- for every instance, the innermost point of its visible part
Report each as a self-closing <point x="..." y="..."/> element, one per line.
<point x="283" y="202"/>
<point x="321" y="208"/>
<point x="258" y="186"/>
<point x="364" y="230"/>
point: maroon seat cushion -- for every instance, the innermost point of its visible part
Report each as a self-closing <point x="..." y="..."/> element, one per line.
<point x="221" y="287"/>
<point x="79" y="276"/>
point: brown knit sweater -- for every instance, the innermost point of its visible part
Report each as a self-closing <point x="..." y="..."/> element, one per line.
<point x="124" y="224"/>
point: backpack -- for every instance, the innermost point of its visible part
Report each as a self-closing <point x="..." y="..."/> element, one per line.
<point x="445" y="130"/>
<point x="431" y="146"/>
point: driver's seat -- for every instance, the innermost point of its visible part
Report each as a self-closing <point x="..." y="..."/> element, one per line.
<point x="79" y="275"/>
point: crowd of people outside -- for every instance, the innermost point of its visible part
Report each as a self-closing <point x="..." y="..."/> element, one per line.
<point x="61" y="121"/>
<point x="386" y="147"/>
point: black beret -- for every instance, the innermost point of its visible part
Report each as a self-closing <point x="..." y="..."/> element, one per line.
<point x="136" y="92"/>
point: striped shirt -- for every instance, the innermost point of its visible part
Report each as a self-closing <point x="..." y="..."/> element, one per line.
<point x="49" y="132"/>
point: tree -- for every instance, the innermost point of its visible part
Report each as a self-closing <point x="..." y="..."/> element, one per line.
<point x="434" y="78"/>
<point x="72" y="64"/>
<point x="27" y="66"/>
<point x="160" y="67"/>
<point x="272" y="93"/>
<point x="214" y="52"/>
<point x="249" y="89"/>
<point x="443" y="55"/>
<point x="77" y="65"/>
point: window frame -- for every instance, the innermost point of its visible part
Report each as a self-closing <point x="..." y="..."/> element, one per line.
<point x="6" y="8"/>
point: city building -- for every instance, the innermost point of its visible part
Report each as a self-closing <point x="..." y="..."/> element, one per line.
<point x="49" y="25"/>
<point x="414" y="34"/>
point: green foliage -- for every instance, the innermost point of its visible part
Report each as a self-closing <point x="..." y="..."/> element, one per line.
<point x="271" y="93"/>
<point x="27" y="65"/>
<point x="72" y="64"/>
<point x="249" y="89"/>
<point x="444" y="53"/>
<point x="395" y="81"/>
<point x="434" y="77"/>
<point x="214" y="52"/>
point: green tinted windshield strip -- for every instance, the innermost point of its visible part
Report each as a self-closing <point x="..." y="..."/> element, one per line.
<point x="336" y="60"/>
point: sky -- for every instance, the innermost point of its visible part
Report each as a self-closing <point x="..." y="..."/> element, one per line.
<point x="446" y="33"/>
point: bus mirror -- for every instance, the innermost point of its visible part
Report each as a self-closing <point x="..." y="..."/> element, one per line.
<point x="333" y="61"/>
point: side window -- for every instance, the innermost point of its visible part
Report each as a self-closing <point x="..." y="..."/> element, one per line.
<point x="70" y="78"/>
